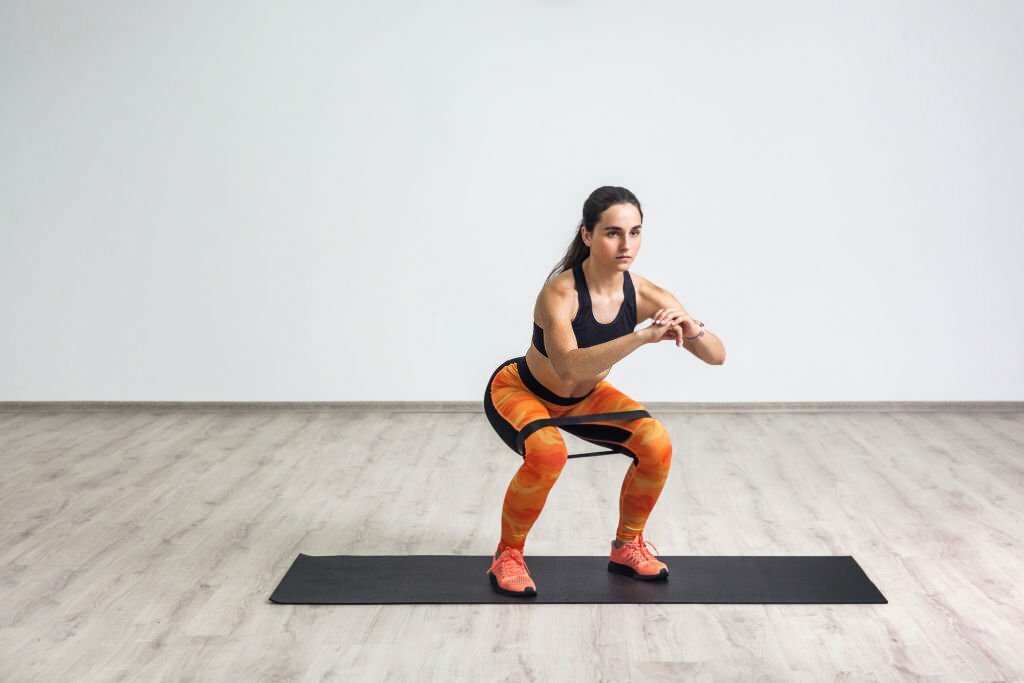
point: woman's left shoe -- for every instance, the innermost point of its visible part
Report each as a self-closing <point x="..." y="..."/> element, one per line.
<point x="634" y="560"/>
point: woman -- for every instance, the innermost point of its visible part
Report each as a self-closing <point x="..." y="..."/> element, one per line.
<point x="584" y="322"/>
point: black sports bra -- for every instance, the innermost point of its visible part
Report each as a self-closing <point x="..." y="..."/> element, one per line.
<point x="588" y="331"/>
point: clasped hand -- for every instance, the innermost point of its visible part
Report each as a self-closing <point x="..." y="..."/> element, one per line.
<point x="673" y="325"/>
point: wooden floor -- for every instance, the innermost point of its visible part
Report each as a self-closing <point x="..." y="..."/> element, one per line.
<point x="143" y="545"/>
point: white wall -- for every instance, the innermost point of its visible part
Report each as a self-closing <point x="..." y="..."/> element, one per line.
<point x="261" y="201"/>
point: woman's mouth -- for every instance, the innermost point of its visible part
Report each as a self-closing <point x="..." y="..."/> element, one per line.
<point x="623" y="258"/>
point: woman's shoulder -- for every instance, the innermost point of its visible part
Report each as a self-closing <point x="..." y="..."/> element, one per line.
<point x="563" y="283"/>
<point x="558" y="287"/>
<point x="639" y="281"/>
<point x="641" y="284"/>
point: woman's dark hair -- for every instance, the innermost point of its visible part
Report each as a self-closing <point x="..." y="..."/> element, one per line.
<point x="599" y="200"/>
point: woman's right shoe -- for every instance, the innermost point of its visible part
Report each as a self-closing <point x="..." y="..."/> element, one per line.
<point x="509" y="575"/>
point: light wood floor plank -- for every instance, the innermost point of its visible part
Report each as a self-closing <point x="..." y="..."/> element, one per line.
<point x="143" y="545"/>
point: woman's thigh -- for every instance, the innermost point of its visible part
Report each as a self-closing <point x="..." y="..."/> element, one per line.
<point x="617" y="434"/>
<point x="510" y="406"/>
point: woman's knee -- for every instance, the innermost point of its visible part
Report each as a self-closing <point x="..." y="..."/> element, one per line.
<point x="651" y="443"/>
<point x="546" y="449"/>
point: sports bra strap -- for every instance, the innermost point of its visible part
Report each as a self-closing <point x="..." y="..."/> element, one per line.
<point x="582" y="291"/>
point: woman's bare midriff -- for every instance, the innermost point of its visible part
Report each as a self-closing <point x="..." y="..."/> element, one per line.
<point x="541" y="368"/>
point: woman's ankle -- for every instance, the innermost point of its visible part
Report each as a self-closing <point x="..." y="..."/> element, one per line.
<point x="618" y="543"/>
<point x="502" y="548"/>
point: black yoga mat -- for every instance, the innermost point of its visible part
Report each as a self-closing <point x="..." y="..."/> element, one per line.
<point x="461" y="579"/>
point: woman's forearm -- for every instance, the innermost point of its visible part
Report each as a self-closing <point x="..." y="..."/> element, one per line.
<point x="708" y="348"/>
<point x="593" y="360"/>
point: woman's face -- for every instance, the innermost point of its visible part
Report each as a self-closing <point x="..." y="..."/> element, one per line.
<point x="616" y="234"/>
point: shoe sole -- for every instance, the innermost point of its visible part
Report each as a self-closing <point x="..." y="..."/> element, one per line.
<point x="528" y="593"/>
<point x="626" y="570"/>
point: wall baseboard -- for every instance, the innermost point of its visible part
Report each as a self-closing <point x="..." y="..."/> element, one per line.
<point x="477" y="406"/>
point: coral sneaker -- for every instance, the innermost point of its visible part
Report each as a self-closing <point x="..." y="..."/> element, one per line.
<point x="509" y="575"/>
<point x="634" y="560"/>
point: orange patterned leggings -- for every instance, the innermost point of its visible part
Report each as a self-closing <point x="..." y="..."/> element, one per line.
<point x="514" y="398"/>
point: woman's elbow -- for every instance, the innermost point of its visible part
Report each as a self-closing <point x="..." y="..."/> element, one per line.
<point x="563" y="367"/>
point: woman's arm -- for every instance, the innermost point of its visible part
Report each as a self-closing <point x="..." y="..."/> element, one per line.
<point x="593" y="360"/>
<point x="571" y="363"/>
<point x="708" y="348"/>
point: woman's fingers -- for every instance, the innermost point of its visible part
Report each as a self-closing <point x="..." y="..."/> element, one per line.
<point x="669" y="316"/>
<point x="670" y="319"/>
<point x="663" y="316"/>
<point x="674" y="317"/>
<point x="672" y="333"/>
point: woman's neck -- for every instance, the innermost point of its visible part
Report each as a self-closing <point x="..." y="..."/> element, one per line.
<point x="602" y="281"/>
